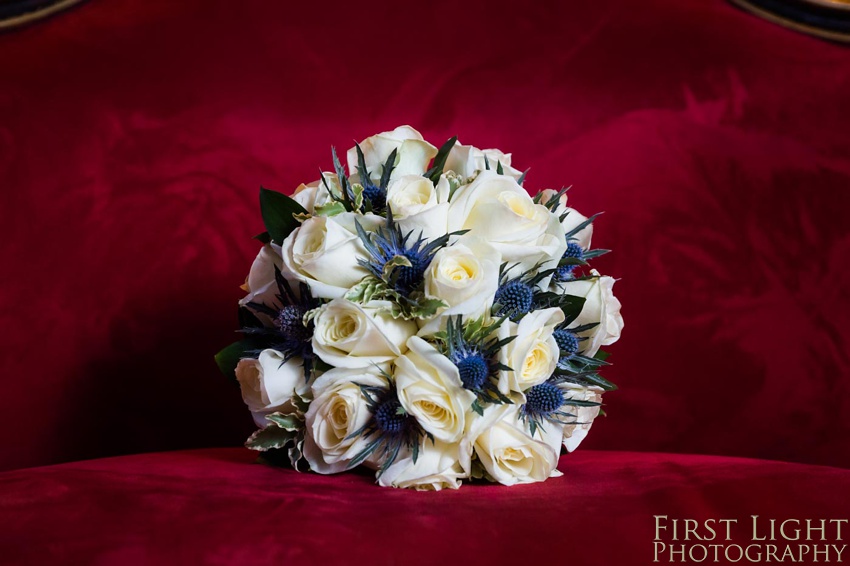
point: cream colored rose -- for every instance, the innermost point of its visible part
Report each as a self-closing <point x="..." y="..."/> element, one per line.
<point x="429" y="388"/>
<point x="600" y="306"/>
<point x="438" y="466"/>
<point x="467" y="161"/>
<point x="584" y="416"/>
<point x="356" y="336"/>
<point x="418" y="206"/>
<point x="412" y="157"/>
<point x="315" y="194"/>
<point x="506" y="449"/>
<point x="494" y="207"/>
<point x="533" y="354"/>
<point x="260" y="284"/>
<point x="572" y="218"/>
<point x="337" y="411"/>
<point x="323" y="254"/>
<point x="465" y="276"/>
<point x="268" y="384"/>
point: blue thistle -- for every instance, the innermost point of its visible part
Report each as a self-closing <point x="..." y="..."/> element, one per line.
<point x="564" y="272"/>
<point x="567" y="341"/>
<point x="389" y="244"/>
<point x="518" y="296"/>
<point x="474" y="351"/>
<point x="543" y="400"/>
<point x="376" y="195"/>
<point x="546" y="402"/>
<point x="390" y="428"/>
<point x="515" y="298"/>
<point x="288" y="333"/>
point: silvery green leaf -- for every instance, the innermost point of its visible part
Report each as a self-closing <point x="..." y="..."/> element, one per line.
<point x="286" y="422"/>
<point x="270" y="437"/>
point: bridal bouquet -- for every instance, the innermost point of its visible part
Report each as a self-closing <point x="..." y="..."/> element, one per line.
<point x="420" y="314"/>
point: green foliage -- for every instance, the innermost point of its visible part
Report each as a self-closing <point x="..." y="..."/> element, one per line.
<point x="278" y="212"/>
<point x="414" y="306"/>
<point x="228" y="358"/>
<point x="440" y="160"/>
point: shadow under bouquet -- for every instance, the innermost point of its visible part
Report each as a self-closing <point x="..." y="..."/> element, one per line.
<point x="419" y="313"/>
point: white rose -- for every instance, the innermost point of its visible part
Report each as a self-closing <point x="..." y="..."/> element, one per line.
<point x="260" y="284"/>
<point x="356" y="336"/>
<point x="600" y="306"/>
<point x="572" y="219"/>
<point x="412" y="157"/>
<point x="429" y="388"/>
<point x="314" y="194"/>
<point x="323" y="254"/>
<point x="494" y="207"/>
<point x="268" y="384"/>
<point x="467" y="160"/>
<point x="337" y="411"/>
<point x="418" y="206"/>
<point x="465" y="276"/>
<point x="506" y="449"/>
<point x="438" y="466"/>
<point x="533" y="354"/>
<point x="584" y="416"/>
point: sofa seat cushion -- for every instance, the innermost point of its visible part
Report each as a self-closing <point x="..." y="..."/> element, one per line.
<point x="217" y="506"/>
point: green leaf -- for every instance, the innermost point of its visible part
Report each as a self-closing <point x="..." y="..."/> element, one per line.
<point x="476" y="406"/>
<point x="263" y="237"/>
<point x="270" y="437"/>
<point x="601" y="355"/>
<point x="521" y="179"/>
<point x="396" y="261"/>
<point x="499" y="169"/>
<point x="331" y="208"/>
<point x="229" y="357"/>
<point x="440" y="160"/>
<point x="581" y="226"/>
<point x="286" y="422"/>
<point x="571" y="306"/>
<point x="277" y="211"/>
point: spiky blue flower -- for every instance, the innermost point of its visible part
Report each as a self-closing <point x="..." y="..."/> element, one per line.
<point x="376" y="195"/>
<point x="388" y="243"/>
<point x="515" y="298"/>
<point x="389" y="419"/>
<point x="389" y="429"/>
<point x="474" y="350"/>
<point x="543" y="400"/>
<point x="473" y="368"/>
<point x="548" y="402"/>
<point x="567" y="341"/>
<point x="288" y="332"/>
<point x="565" y="272"/>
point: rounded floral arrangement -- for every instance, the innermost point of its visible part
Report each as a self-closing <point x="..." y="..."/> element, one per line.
<point x="422" y="315"/>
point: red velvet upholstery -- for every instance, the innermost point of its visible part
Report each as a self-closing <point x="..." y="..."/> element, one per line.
<point x="216" y="507"/>
<point x="134" y="136"/>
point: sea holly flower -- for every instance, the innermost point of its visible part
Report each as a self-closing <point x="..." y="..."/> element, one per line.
<point x="390" y="430"/>
<point x="547" y="402"/>
<point x="397" y="258"/>
<point x="474" y="348"/>
<point x="290" y="332"/>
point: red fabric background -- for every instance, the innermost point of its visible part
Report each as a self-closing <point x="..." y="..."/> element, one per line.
<point x="134" y="136"/>
<point x="215" y="507"/>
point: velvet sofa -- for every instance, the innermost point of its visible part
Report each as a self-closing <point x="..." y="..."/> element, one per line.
<point x="134" y="137"/>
